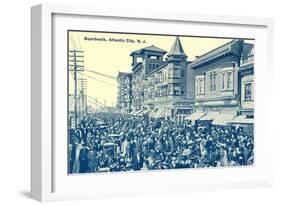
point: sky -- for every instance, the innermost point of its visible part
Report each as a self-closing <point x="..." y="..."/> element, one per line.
<point x="109" y="53"/>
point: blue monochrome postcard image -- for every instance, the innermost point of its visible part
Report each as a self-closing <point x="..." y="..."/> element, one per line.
<point x="140" y="102"/>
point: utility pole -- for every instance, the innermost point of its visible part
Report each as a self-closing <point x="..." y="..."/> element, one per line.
<point x="83" y="94"/>
<point x="76" y="63"/>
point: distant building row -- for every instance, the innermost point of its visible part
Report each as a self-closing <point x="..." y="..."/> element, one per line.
<point x="216" y="86"/>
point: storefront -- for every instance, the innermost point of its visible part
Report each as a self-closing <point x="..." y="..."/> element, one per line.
<point x="242" y="121"/>
<point x="195" y="116"/>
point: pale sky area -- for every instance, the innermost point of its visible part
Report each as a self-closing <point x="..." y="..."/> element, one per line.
<point x="109" y="57"/>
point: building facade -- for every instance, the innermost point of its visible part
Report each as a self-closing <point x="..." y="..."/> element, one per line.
<point x="216" y="82"/>
<point x="247" y="82"/>
<point x="144" y="61"/>
<point x="124" y="97"/>
<point x="160" y="88"/>
<point x="223" y="83"/>
<point x="245" y="117"/>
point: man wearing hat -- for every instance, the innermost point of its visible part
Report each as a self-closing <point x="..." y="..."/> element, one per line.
<point x="83" y="159"/>
<point x="137" y="161"/>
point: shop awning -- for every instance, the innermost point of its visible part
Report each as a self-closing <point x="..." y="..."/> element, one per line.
<point x="153" y="113"/>
<point x="132" y="112"/>
<point x="242" y="119"/>
<point x="159" y="113"/>
<point x="195" y="116"/>
<point x="143" y="112"/>
<point x="210" y="116"/>
<point x="135" y="112"/>
<point x="146" y="112"/>
<point x="223" y="118"/>
<point x="162" y="113"/>
<point x="138" y="113"/>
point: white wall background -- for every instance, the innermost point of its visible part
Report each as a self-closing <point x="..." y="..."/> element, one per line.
<point x="15" y="95"/>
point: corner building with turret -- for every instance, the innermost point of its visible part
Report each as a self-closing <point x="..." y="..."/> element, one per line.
<point x="162" y="88"/>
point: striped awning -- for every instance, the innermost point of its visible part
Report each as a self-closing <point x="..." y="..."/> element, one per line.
<point x="135" y="112"/>
<point x="138" y="113"/>
<point x="143" y="112"/>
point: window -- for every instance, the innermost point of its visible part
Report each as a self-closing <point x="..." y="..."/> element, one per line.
<point x="157" y="93"/>
<point x="229" y="80"/>
<point x="248" y="92"/>
<point x="139" y="59"/>
<point x="177" y="90"/>
<point x="163" y="92"/>
<point x="200" y="85"/>
<point x="153" y="66"/>
<point x="213" y="82"/>
<point x="170" y="73"/>
<point x="170" y="90"/>
<point x="159" y="77"/>
<point x="182" y="89"/>
<point x="182" y="72"/>
<point x="156" y="79"/>
<point x="145" y="96"/>
<point x="177" y="73"/>
<point x="150" y="81"/>
<point x="196" y="86"/>
<point x="150" y="94"/>
<point x="223" y="83"/>
<point x="174" y="74"/>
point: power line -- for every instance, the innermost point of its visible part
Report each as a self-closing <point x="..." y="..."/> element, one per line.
<point x="94" y="102"/>
<point x="98" y="80"/>
<point x="95" y="99"/>
<point x="101" y="74"/>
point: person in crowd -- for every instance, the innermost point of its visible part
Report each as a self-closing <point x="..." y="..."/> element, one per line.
<point x="83" y="159"/>
<point x="92" y="161"/>
<point x="71" y="156"/>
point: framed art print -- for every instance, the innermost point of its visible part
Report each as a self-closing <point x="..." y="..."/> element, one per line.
<point x="138" y="103"/>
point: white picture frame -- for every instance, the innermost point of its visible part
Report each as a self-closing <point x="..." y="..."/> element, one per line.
<point x="48" y="180"/>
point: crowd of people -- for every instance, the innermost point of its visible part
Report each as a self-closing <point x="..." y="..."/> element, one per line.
<point x="107" y="142"/>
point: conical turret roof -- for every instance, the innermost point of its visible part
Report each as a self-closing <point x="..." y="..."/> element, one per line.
<point x="177" y="49"/>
